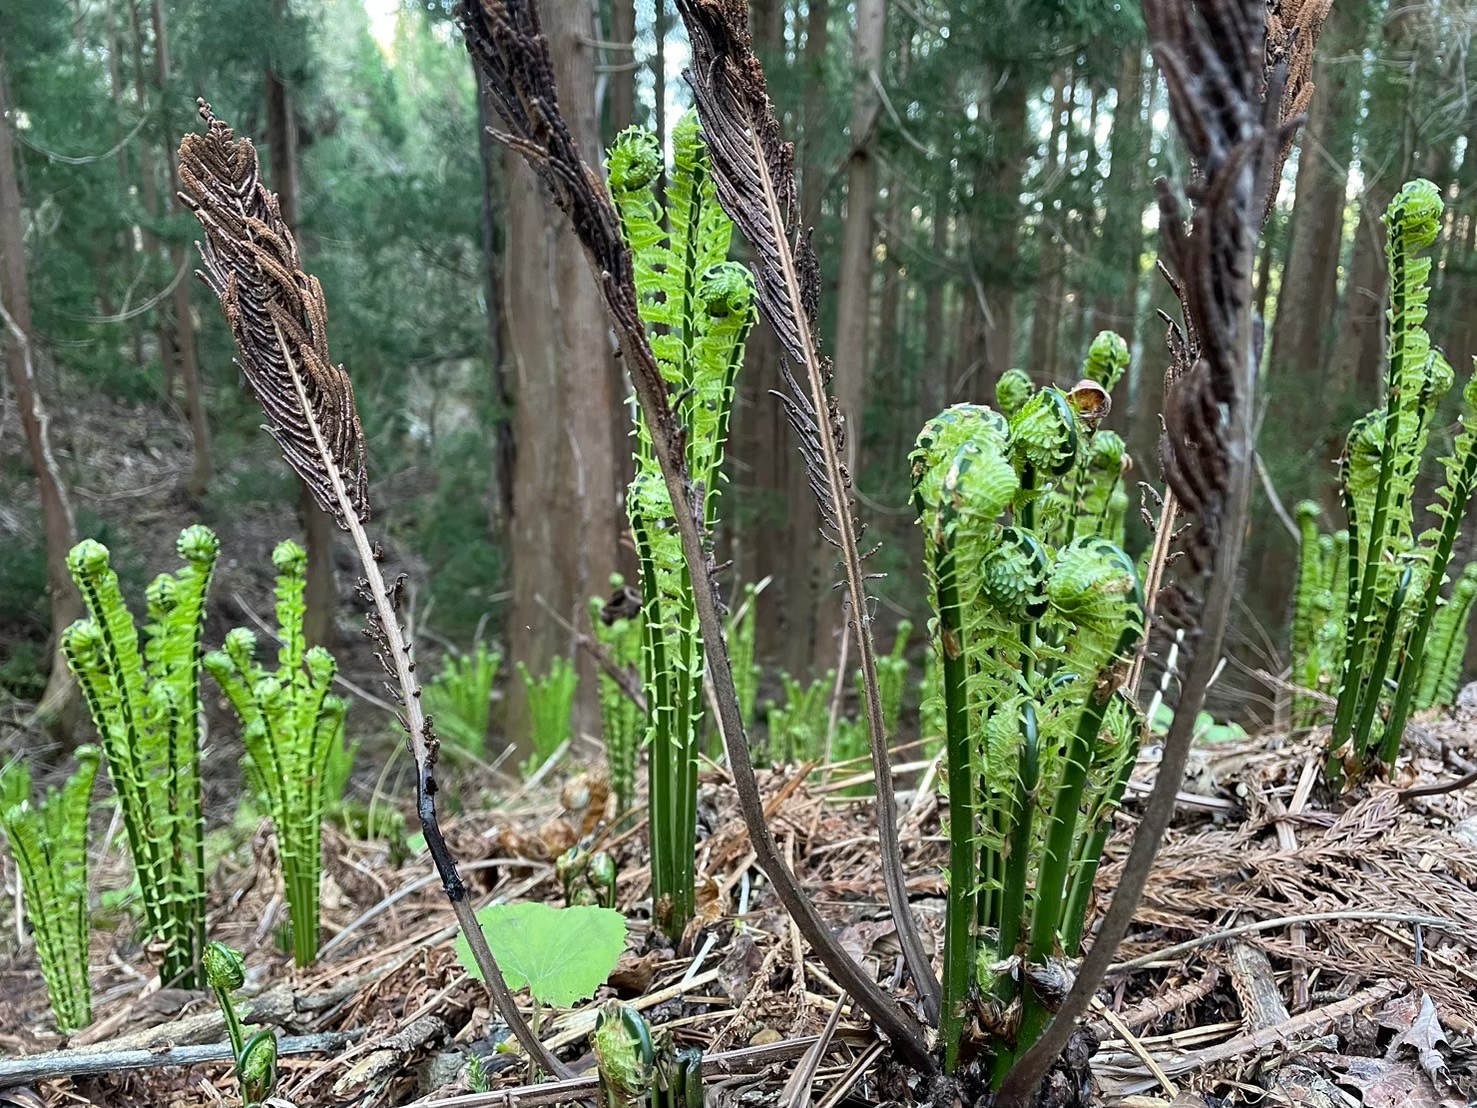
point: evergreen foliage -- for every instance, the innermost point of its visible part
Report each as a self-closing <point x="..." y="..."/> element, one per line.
<point x="145" y="704"/>
<point x="48" y="840"/>
<point x="292" y="728"/>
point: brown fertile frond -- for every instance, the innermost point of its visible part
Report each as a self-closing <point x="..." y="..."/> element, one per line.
<point x="1293" y="27"/>
<point x="508" y="45"/>
<point x="277" y="316"/>
<point x="1213" y="56"/>
<point x="754" y="170"/>
<point x="754" y="175"/>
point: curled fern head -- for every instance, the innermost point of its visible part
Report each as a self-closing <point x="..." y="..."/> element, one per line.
<point x="218" y="664"/>
<point x="83" y="641"/>
<point x="240" y="646"/>
<point x="289" y="558"/>
<point x="224" y="968"/>
<point x="1043" y="433"/>
<point x="321" y="665"/>
<point x="88" y="559"/>
<point x="1013" y="390"/>
<point x="1013" y="576"/>
<point x="1307" y="512"/>
<point x="980" y="480"/>
<point x="1438" y="377"/>
<point x="1107" y="452"/>
<point x="162" y="596"/>
<point x="1107" y="358"/>
<point x="634" y="160"/>
<point x="1414" y="216"/>
<point x="267" y="690"/>
<point x="198" y="545"/>
<point x="726" y="289"/>
<point x="1093" y="584"/>
<point x="258" y="1067"/>
<point x="944" y="434"/>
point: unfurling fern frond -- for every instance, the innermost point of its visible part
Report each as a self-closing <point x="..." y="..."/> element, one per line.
<point x="292" y="725"/>
<point x="698" y="308"/>
<point x="146" y="707"/>
<point x="459" y="698"/>
<point x="1441" y="671"/>
<point x="279" y="321"/>
<point x="617" y="626"/>
<point x="48" y="840"/>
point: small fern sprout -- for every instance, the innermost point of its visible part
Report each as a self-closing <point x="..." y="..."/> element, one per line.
<point x="1012" y="391"/>
<point x="145" y="704"/>
<point x="291" y="725"/>
<point x="48" y="840"/>
<point x="1107" y="359"/>
<point x="256" y="1057"/>
<point x="1447" y="646"/>
<point x="617" y="626"/>
<point x="550" y="710"/>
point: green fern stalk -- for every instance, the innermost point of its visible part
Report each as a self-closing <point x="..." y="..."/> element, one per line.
<point x="146" y="707"/>
<point x="698" y="308"/>
<point x="550" y="709"/>
<point x="746" y="672"/>
<point x="48" y="840"/>
<point x="622" y="721"/>
<point x="291" y="724"/>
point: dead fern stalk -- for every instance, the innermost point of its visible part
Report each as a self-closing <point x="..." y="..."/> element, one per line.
<point x="279" y="320"/>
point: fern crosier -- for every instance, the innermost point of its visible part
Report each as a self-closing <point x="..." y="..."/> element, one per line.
<point x="698" y="308"/>
<point x="48" y="840"/>
<point x="1033" y="637"/>
<point x="146" y="707"/>
<point x="291" y="727"/>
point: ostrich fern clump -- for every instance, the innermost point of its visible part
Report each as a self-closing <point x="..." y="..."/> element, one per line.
<point x="697" y="308"/>
<point x="1317" y="613"/>
<point x="550" y="707"/>
<point x="1395" y="577"/>
<point x="48" y="839"/>
<point x="1037" y="617"/>
<point x="292" y="726"/>
<point x="460" y="698"/>
<point x="146" y="706"/>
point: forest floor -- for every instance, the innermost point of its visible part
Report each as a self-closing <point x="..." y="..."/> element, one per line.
<point x="1284" y="944"/>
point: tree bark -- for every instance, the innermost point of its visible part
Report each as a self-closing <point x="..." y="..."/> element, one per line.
<point x="59" y="701"/>
<point x="504" y="450"/>
<point x="148" y="182"/>
<point x="566" y="519"/>
<point x="623" y="62"/>
<point x="184" y="320"/>
<point x="1116" y="308"/>
<point x="1046" y="307"/>
<point x="1303" y="328"/>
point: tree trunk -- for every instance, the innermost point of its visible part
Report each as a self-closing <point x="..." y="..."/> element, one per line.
<point x="59" y="702"/>
<point x="1116" y="308"/>
<point x="813" y="171"/>
<point x="989" y="308"/>
<point x="623" y="63"/>
<point x="932" y="383"/>
<point x="565" y="501"/>
<point x="504" y="451"/>
<point x="149" y="191"/>
<point x="1305" y="309"/>
<point x="1046" y="307"/>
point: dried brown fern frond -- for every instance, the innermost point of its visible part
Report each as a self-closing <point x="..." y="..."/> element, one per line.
<point x="506" y="42"/>
<point x="754" y="171"/>
<point x="1227" y="107"/>
<point x="279" y="321"/>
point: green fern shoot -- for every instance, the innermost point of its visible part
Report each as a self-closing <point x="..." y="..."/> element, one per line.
<point x="550" y="709"/>
<point x="698" y="308"/>
<point x="460" y="699"/>
<point x="145" y="703"/>
<point x="48" y="840"/>
<point x="1446" y="647"/>
<point x="291" y="725"/>
<point x="1037" y="616"/>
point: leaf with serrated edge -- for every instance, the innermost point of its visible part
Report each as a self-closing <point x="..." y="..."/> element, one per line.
<point x="562" y="955"/>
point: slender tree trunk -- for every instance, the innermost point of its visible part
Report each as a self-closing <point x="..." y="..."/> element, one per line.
<point x="661" y="20"/>
<point x="565" y="501"/>
<point x="149" y="190"/>
<point x="1046" y="308"/>
<point x="623" y="61"/>
<point x="184" y="320"/>
<point x="1123" y="230"/>
<point x="813" y="170"/>
<point x="1304" y="325"/>
<point x="504" y="451"/>
<point x="932" y="383"/>
<point x="989" y="328"/>
<point x="59" y="701"/>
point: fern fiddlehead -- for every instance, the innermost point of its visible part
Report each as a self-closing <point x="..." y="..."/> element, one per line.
<point x="146" y="707"/>
<point x="698" y="308"/>
<point x="48" y="840"/>
<point x="291" y="724"/>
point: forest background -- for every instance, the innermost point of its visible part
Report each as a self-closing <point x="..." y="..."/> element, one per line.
<point x="979" y="175"/>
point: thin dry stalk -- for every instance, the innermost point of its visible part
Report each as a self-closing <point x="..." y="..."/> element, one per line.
<point x="279" y="319"/>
